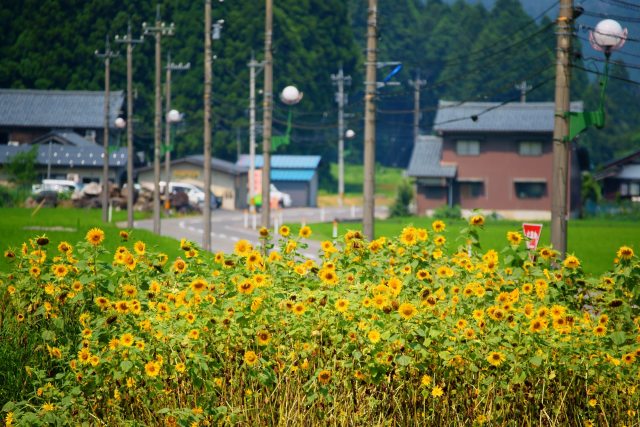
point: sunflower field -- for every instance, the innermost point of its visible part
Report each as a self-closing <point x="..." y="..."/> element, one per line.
<point x="386" y="332"/>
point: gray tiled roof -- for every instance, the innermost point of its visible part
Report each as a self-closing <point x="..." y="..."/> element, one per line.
<point x="57" y="108"/>
<point x="425" y="159"/>
<point x="65" y="137"/>
<point x="494" y="117"/>
<point x="198" y="160"/>
<point x="66" y="155"/>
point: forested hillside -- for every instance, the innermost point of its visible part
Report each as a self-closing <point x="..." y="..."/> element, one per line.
<point x="463" y="51"/>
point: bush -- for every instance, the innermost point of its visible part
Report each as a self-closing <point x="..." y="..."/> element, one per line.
<point x="392" y="330"/>
<point x="447" y="212"/>
<point x="400" y="207"/>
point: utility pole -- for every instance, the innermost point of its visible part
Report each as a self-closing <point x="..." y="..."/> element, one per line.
<point x="339" y="80"/>
<point x="370" y="124"/>
<point x="206" y="238"/>
<point x="130" y="41"/>
<point x="561" y="142"/>
<point x="167" y="107"/>
<point x="266" y="115"/>
<point x="523" y="87"/>
<point x="417" y="84"/>
<point x="107" y="55"/>
<point x="158" y="30"/>
<point x="254" y="68"/>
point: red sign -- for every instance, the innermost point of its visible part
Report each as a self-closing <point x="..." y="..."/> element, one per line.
<point x="532" y="233"/>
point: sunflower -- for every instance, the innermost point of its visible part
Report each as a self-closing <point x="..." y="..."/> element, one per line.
<point x="496" y="358"/>
<point x="600" y="331"/>
<point x="139" y="247"/>
<point x="180" y="367"/>
<point x="194" y="334"/>
<point x="407" y="310"/>
<point x="625" y="253"/>
<point x="102" y="302"/>
<point x="342" y="305"/>
<point x="439" y="240"/>
<point x="64" y="247"/>
<point x="219" y="258"/>
<point x="126" y="340"/>
<point x="152" y="368"/>
<point x="299" y="309"/>
<point x="438" y="226"/>
<point x="179" y="266"/>
<point x="284" y="231"/>
<point x="514" y="238"/>
<point x="571" y="262"/>
<point x="95" y="236"/>
<point x="246" y="286"/>
<point x="324" y="376"/>
<point x="124" y="235"/>
<point x="328" y="276"/>
<point x="476" y="220"/>
<point x="60" y="270"/>
<point x="469" y="334"/>
<point x="243" y="247"/>
<point x="305" y="232"/>
<point x="629" y="358"/>
<point x="129" y="291"/>
<point x="254" y="260"/>
<point x="34" y="271"/>
<point x="546" y="253"/>
<point x="374" y="336"/>
<point x="250" y="358"/>
<point x="84" y="356"/>
<point x="409" y="236"/>
<point x="263" y="337"/>
<point x="527" y="288"/>
<point x="538" y="325"/>
<point x="444" y="271"/>
<point x="423" y="275"/>
<point x="327" y="246"/>
<point x="198" y="285"/>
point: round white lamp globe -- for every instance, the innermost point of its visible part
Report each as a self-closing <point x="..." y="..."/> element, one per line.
<point x="291" y="95"/>
<point x="608" y="35"/>
<point x="120" y="123"/>
<point x="173" y="116"/>
<point x="349" y="133"/>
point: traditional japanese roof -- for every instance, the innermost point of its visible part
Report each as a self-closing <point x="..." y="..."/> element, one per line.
<point x="65" y="137"/>
<point x="67" y="156"/>
<point x="57" y="108"/>
<point x="627" y="167"/>
<point x="497" y="117"/>
<point x="425" y="159"/>
<point x="198" y="160"/>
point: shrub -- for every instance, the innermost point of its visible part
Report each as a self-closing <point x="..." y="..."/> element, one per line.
<point x="404" y="196"/>
<point x="447" y="212"/>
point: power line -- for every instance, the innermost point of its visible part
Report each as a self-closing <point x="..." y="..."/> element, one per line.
<point x="611" y="16"/>
<point x="598" y="73"/>
<point x="623" y="4"/>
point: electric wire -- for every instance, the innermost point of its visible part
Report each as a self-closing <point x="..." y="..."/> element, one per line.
<point x="612" y="76"/>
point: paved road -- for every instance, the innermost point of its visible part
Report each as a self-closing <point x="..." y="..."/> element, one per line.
<point x="227" y="227"/>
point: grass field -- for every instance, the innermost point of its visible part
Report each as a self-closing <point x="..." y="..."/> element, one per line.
<point x="71" y="225"/>
<point x="594" y="242"/>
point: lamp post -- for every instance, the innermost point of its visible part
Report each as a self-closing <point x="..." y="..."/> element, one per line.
<point x="173" y="117"/>
<point x="120" y="125"/>
<point x="349" y="134"/>
<point x="607" y="36"/>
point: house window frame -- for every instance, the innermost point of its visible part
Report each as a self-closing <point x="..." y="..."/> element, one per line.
<point x="468" y="143"/>
<point x="525" y="148"/>
<point x="471" y="194"/>
<point x="530" y="181"/>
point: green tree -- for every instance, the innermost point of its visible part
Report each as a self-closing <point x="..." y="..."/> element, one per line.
<point x="21" y="167"/>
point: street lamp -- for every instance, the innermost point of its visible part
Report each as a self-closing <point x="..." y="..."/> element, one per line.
<point x="349" y="134"/>
<point x="120" y="123"/>
<point x="173" y="117"/>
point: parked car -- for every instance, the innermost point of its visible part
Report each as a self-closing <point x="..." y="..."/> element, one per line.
<point x="57" y="186"/>
<point x="195" y="193"/>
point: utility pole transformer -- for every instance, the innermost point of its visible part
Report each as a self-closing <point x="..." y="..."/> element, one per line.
<point x="158" y="30"/>
<point x="417" y="84"/>
<point x="130" y="41"/>
<point x="266" y="115"/>
<point x="107" y="55"/>
<point x="370" y="124"/>
<point x="340" y="80"/>
<point x="561" y="142"/>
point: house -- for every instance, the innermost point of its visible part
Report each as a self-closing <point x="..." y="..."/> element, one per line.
<point x="66" y="127"/>
<point x="620" y="179"/>
<point x="490" y="156"/>
<point x="296" y="175"/>
<point x="228" y="180"/>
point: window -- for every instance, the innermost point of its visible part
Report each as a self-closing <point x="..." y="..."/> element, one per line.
<point x="430" y="192"/>
<point x="531" y="190"/>
<point x="468" y="148"/>
<point x="530" y="148"/>
<point x="471" y="189"/>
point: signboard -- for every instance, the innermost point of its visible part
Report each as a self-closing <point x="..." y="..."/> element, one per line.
<point x="532" y="233"/>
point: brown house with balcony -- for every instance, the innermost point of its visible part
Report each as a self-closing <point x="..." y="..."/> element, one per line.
<point x="492" y="157"/>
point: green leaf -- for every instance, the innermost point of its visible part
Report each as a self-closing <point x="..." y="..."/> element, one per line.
<point x="618" y="337"/>
<point x="403" y="360"/>
<point x="536" y="360"/>
<point x="125" y="365"/>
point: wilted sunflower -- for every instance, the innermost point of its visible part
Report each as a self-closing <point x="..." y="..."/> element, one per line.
<point x="496" y="358"/>
<point x="95" y="236"/>
<point x="124" y="235"/>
